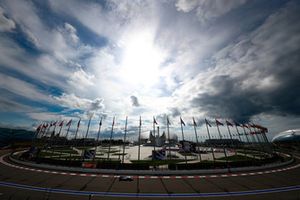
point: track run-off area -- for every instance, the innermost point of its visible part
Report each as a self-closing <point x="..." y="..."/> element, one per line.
<point x="31" y="183"/>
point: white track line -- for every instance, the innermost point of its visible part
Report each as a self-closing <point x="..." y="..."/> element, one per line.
<point x="149" y="177"/>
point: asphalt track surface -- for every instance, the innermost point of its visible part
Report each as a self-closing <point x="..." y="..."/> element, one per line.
<point x="17" y="183"/>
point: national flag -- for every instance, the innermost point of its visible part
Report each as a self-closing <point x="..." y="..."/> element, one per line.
<point x="78" y="124"/>
<point x="182" y="122"/>
<point x="252" y="125"/>
<point x="69" y="123"/>
<point x="39" y="128"/>
<point x="244" y="125"/>
<point x="61" y="123"/>
<point x="219" y="123"/>
<point x="168" y="121"/>
<point x="228" y="123"/>
<point x="194" y="122"/>
<point x="113" y="123"/>
<point x="236" y="123"/>
<point x="154" y="121"/>
<point x="207" y="123"/>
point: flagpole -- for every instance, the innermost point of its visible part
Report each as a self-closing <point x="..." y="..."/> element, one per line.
<point x="74" y="143"/>
<point x="237" y="131"/>
<point x="247" y="137"/>
<point x="230" y="137"/>
<point x="181" y="122"/>
<point x="111" y="134"/>
<point x="212" y="150"/>
<point x="197" y="141"/>
<point x="225" y="154"/>
<point x="259" y="142"/>
<point x="154" y="136"/>
<point x="87" y="132"/>
<point x="52" y="138"/>
<point x="64" y="144"/>
<point x="61" y="125"/>
<point x="124" y="141"/>
<point x="168" y="130"/>
<point x="97" y="141"/>
<point x="139" y="149"/>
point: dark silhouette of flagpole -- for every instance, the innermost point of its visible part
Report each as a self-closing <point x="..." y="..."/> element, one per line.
<point x="139" y="149"/>
<point x="168" y="130"/>
<point x="87" y="131"/>
<point x="154" y="122"/>
<point x="256" y="134"/>
<point x="75" y="138"/>
<point x="98" y="136"/>
<point x="246" y="134"/>
<point x="66" y="139"/>
<point x="111" y="135"/>
<point x="61" y="125"/>
<point x="182" y="122"/>
<point x="220" y="136"/>
<point x="196" y="135"/>
<point x="124" y="141"/>
<point x="212" y="150"/>
<point x="237" y="131"/>
<point x="229" y="132"/>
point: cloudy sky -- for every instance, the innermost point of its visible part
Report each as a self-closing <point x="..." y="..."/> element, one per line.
<point x="235" y="60"/>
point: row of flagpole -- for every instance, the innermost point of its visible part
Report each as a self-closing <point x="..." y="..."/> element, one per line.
<point x="44" y="128"/>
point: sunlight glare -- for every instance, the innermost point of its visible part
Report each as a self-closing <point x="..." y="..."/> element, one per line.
<point x="141" y="60"/>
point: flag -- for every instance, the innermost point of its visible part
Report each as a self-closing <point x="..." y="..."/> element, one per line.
<point x="194" y="122"/>
<point x="168" y="121"/>
<point x="69" y="123"/>
<point x="154" y="121"/>
<point x="61" y="123"/>
<point x="140" y="121"/>
<point x="113" y="123"/>
<point x="236" y="123"/>
<point x="207" y="123"/>
<point x="39" y="128"/>
<point x="182" y="122"/>
<point x="78" y="124"/>
<point x="244" y="125"/>
<point x="228" y="123"/>
<point x="219" y="123"/>
<point x="252" y="125"/>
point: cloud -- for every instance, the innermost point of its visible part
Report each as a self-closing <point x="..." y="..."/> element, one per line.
<point x="72" y="32"/>
<point x="6" y="24"/>
<point x="208" y="9"/>
<point x="81" y="80"/>
<point x="254" y="75"/>
<point x="134" y="101"/>
<point x="74" y="102"/>
<point x="22" y="88"/>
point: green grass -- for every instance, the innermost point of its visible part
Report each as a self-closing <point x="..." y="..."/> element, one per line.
<point x="236" y="158"/>
<point x="156" y="162"/>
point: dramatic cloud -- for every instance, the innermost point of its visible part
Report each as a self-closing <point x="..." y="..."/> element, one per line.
<point x="202" y="58"/>
<point x="134" y="101"/>
<point x="6" y="24"/>
<point x="253" y="75"/>
<point x="208" y="9"/>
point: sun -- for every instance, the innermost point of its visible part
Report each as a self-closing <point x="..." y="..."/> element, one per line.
<point x="141" y="60"/>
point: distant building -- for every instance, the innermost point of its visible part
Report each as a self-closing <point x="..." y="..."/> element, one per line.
<point x="289" y="138"/>
<point x="159" y="140"/>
